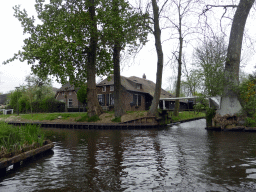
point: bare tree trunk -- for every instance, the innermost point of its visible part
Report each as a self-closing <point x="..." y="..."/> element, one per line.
<point x="157" y="33"/>
<point x="229" y="102"/>
<point x="93" y="104"/>
<point x="118" y="104"/>
<point x="179" y="59"/>
<point x="177" y="102"/>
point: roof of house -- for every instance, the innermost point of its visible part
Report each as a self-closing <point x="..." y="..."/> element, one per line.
<point x="129" y="83"/>
<point x="68" y="87"/>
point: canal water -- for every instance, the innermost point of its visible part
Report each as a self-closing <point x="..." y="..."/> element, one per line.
<point x="183" y="157"/>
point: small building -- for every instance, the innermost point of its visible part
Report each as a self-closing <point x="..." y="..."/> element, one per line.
<point x="137" y="93"/>
<point x="68" y="94"/>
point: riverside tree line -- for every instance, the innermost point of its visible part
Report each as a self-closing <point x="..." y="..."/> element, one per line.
<point x="77" y="40"/>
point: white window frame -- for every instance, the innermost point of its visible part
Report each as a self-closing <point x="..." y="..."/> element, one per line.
<point x="111" y="87"/>
<point x="111" y="103"/>
<point x="104" y="88"/>
<point x="137" y="100"/>
<point x="70" y="100"/>
<point x="138" y="86"/>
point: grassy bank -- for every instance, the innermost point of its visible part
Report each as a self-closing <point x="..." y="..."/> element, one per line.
<point x="107" y="117"/>
<point x="186" y="115"/>
<point x="14" y="140"/>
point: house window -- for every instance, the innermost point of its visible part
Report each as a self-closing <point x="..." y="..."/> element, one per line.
<point x="110" y="99"/>
<point x="137" y="99"/>
<point x="101" y="99"/>
<point x="70" y="103"/>
<point x="138" y="86"/>
<point x="111" y="87"/>
<point x="104" y="89"/>
<point x="70" y="93"/>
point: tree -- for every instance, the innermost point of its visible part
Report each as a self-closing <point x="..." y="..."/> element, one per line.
<point x="160" y="60"/>
<point x="123" y="28"/>
<point x="178" y="22"/>
<point x="192" y="83"/>
<point x="82" y="95"/>
<point x="209" y="61"/>
<point x="66" y="44"/>
<point x="30" y="92"/>
<point x="229" y="102"/>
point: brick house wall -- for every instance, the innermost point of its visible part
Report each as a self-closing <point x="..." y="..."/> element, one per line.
<point x="128" y="98"/>
<point x="70" y="97"/>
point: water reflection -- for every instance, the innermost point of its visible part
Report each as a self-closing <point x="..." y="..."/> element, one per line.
<point x="181" y="158"/>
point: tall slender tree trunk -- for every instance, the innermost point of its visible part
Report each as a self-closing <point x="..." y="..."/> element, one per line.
<point x="93" y="104"/>
<point x="177" y="102"/>
<point x="157" y="33"/>
<point x="179" y="59"/>
<point x="229" y="101"/>
<point x="118" y="102"/>
<point x="118" y="105"/>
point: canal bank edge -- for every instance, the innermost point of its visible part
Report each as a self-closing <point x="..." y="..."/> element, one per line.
<point x="185" y="120"/>
<point x="15" y="160"/>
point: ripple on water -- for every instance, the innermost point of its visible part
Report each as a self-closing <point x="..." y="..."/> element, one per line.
<point x="184" y="157"/>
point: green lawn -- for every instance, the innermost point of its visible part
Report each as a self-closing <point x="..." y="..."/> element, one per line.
<point x="185" y="115"/>
<point x="51" y="116"/>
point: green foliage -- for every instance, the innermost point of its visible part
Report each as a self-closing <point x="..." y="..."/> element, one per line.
<point x="247" y="96"/>
<point x="210" y="59"/>
<point x="60" y="40"/>
<point x="82" y="94"/>
<point x="192" y="84"/>
<point x="250" y="122"/>
<point x="14" y="98"/>
<point x="14" y="139"/>
<point x="37" y="95"/>
<point x="202" y="105"/>
<point x="123" y="25"/>
<point x="209" y="114"/>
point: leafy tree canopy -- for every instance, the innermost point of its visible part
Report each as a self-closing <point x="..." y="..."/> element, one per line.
<point x="60" y="41"/>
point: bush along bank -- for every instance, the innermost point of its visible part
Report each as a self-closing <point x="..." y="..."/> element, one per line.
<point x="245" y="120"/>
<point x="15" y="140"/>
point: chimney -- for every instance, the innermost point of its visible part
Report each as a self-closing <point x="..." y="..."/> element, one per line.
<point x="144" y="76"/>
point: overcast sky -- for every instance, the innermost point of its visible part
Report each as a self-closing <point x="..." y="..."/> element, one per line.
<point x="11" y="38"/>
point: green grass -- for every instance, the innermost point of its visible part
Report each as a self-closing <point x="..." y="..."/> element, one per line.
<point x="14" y="139"/>
<point x="50" y="116"/>
<point x="86" y="118"/>
<point x="116" y="120"/>
<point x="185" y="115"/>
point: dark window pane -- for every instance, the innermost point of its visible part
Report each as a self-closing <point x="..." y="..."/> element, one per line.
<point x="139" y="100"/>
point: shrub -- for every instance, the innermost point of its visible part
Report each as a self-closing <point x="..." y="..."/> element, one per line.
<point x="247" y="96"/>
